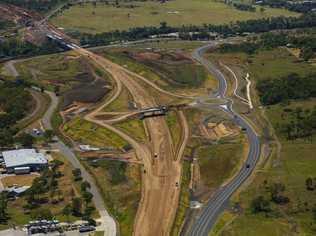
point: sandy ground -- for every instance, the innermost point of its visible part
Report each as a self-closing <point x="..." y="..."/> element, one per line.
<point x="162" y="164"/>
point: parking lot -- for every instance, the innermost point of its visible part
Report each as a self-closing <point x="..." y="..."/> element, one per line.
<point x="12" y="232"/>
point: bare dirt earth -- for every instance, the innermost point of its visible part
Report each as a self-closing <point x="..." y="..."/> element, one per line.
<point x="162" y="165"/>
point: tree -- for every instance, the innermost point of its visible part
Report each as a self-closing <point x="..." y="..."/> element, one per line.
<point x="57" y="90"/>
<point x="309" y="184"/>
<point x="26" y="140"/>
<point x="3" y="208"/>
<point x="76" y="206"/>
<point x="84" y="186"/>
<point x="67" y="210"/>
<point x="77" y="174"/>
<point x="48" y="135"/>
<point x="6" y="137"/>
<point x="259" y="204"/>
<point x="55" y="164"/>
<point x="276" y="190"/>
<point x="163" y="25"/>
<point x="87" y="196"/>
<point x="314" y="212"/>
<point x="306" y="53"/>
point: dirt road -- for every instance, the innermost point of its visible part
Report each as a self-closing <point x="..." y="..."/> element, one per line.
<point x="162" y="169"/>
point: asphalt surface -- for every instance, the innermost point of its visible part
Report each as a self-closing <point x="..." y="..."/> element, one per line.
<point x="216" y="205"/>
<point x="107" y="223"/>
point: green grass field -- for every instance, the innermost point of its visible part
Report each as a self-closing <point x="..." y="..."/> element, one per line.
<point x="266" y="64"/>
<point x="219" y="162"/>
<point x="174" y="126"/>
<point x="120" y="103"/>
<point x="88" y="133"/>
<point x="134" y="128"/>
<point x="87" y="18"/>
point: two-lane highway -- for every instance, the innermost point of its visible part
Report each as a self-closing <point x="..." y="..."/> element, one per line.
<point x="215" y="206"/>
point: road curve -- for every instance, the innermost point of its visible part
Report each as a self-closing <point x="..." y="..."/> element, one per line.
<point x="215" y="206"/>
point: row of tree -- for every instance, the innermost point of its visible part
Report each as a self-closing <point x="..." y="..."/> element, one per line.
<point x="16" y="48"/>
<point x="36" y="5"/>
<point x="298" y="6"/>
<point x="239" y="27"/>
<point x="244" y="7"/>
<point x="305" y="40"/>
<point x="293" y="86"/>
<point x="80" y="206"/>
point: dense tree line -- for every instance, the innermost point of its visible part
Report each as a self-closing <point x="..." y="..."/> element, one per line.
<point x="14" y="47"/>
<point x="246" y="47"/>
<point x="239" y="27"/>
<point x="293" y="86"/>
<point x="303" y="6"/>
<point x="306" y="41"/>
<point x="244" y="7"/>
<point x="36" y="5"/>
<point x="14" y="104"/>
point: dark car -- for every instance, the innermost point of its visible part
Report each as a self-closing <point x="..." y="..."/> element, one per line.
<point x="86" y="228"/>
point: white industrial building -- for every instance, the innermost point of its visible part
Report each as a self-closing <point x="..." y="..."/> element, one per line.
<point x="24" y="161"/>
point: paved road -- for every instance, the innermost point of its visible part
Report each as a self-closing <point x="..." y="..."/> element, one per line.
<point x="107" y="222"/>
<point x="215" y="206"/>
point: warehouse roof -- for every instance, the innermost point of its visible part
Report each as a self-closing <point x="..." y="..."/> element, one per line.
<point x="23" y="157"/>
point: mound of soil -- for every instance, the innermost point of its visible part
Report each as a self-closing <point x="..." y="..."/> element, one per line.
<point x="86" y="93"/>
<point x="147" y="56"/>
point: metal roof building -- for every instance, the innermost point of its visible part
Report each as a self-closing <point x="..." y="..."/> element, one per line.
<point x="24" y="158"/>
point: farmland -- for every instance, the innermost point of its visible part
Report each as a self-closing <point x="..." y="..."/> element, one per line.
<point x="125" y="15"/>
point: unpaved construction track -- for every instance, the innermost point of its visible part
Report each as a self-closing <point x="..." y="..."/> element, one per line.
<point x="162" y="164"/>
